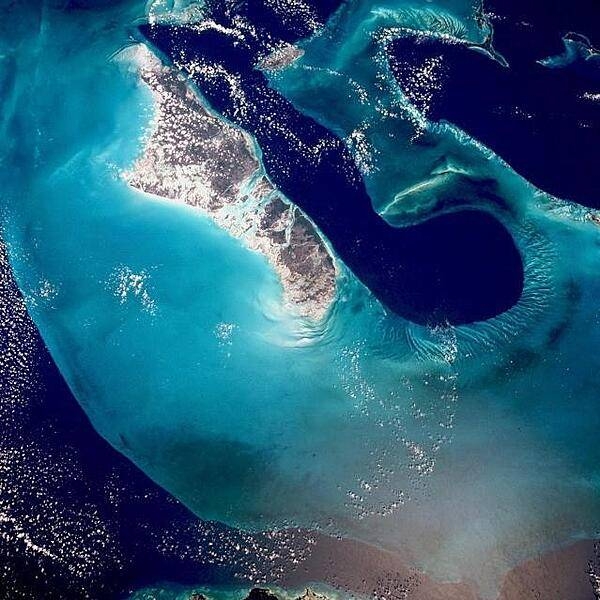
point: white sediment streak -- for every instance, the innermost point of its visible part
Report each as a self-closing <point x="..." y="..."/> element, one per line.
<point x="194" y="157"/>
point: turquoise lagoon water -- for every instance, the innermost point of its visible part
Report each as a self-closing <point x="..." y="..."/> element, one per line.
<point x="467" y="449"/>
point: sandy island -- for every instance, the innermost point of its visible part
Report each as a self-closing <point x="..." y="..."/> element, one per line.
<point x="191" y="156"/>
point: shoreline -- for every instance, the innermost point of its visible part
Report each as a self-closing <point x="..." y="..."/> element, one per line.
<point x="571" y="572"/>
<point x="194" y="157"/>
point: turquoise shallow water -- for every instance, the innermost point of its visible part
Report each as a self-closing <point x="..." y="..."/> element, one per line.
<point x="468" y="448"/>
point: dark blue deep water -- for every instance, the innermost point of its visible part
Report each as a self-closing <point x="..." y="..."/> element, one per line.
<point x="134" y="513"/>
<point x="456" y="268"/>
<point x="543" y="119"/>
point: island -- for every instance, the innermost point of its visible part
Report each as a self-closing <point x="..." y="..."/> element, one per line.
<point x="197" y="158"/>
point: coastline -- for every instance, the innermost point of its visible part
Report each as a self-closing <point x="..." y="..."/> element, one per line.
<point x="571" y="572"/>
<point x="194" y="157"/>
<point x="254" y="212"/>
<point x="76" y="491"/>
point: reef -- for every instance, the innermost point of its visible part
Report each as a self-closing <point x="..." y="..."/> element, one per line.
<point x="192" y="156"/>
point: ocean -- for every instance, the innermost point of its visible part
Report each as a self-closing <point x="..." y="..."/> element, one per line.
<point x="446" y="408"/>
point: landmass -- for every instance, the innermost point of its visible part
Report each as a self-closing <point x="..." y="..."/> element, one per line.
<point x="281" y="57"/>
<point x="194" y="157"/>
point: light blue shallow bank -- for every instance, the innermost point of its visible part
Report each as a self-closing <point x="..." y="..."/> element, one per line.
<point x="468" y="449"/>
